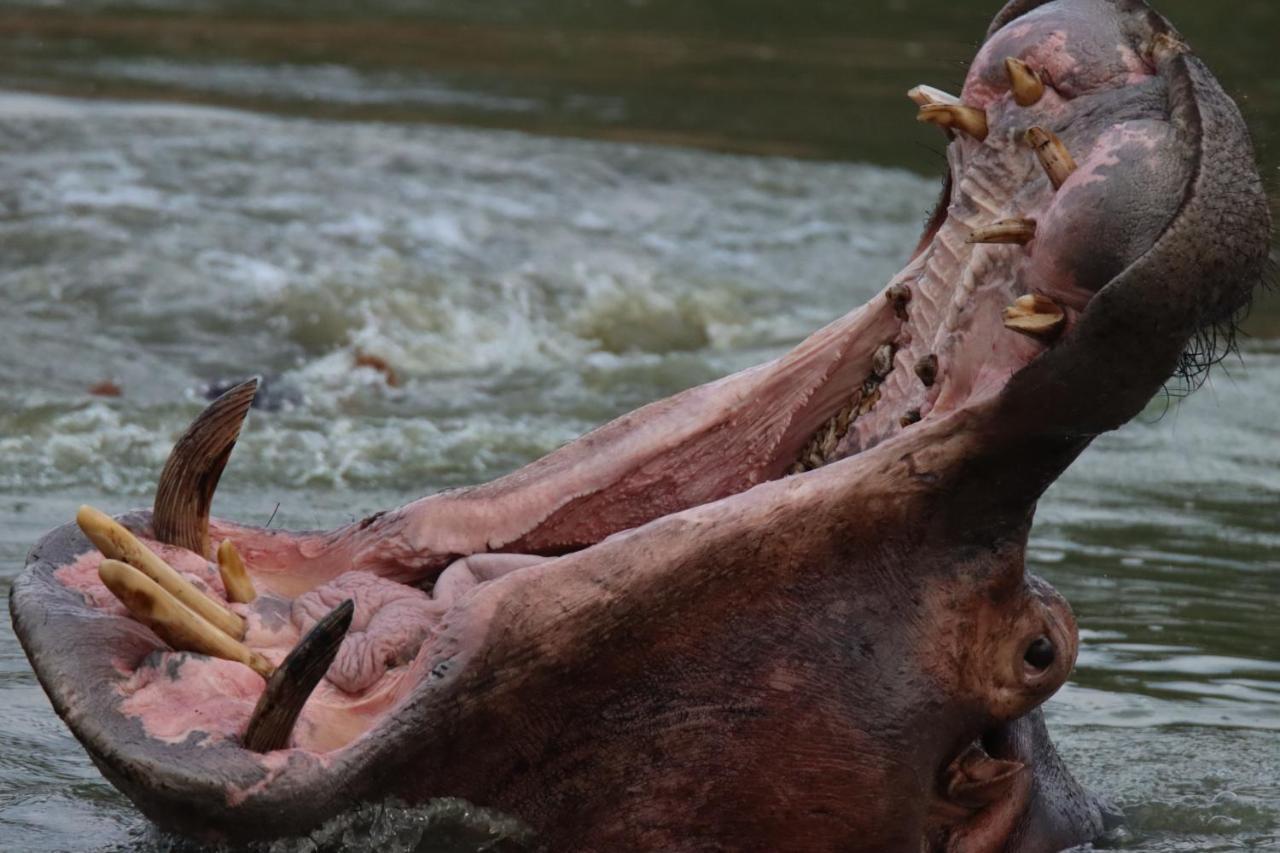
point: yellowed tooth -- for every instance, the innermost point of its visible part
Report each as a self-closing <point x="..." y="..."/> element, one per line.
<point x="1015" y="231"/>
<point x="927" y="370"/>
<point x="117" y="543"/>
<point x="1166" y="46"/>
<point x="1035" y="316"/>
<point x="1026" y="84"/>
<point x="1054" y="156"/>
<point x="970" y="121"/>
<point x="882" y="361"/>
<point x="925" y="96"/>
<point x="173" y="622"/>
<point x="235" y="577"/>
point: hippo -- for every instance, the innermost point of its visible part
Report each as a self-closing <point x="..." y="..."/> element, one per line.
<point x="785" y="611"/>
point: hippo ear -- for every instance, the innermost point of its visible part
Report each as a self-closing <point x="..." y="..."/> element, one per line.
<point x="180" y="515"/>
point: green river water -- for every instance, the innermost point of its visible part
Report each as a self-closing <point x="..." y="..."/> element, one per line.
<point x="543" y="214"/>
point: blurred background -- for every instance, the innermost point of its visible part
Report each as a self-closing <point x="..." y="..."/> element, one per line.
<point x="453" y="236"/>
<point x="807" y="78"/>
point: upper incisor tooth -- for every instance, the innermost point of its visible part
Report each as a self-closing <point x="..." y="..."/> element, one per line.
<point x="968" y="120"/>
<point x="924" y="96"/>
<point x="1026" y="84"/>
<point x="1013" y="231"/>
<point x="1054" y="156"/>
<point x="173" y="622"/>
<point x="117" y="543"/>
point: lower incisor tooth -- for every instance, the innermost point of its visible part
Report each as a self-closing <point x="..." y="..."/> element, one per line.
<point x="172" y="621"/>
<point x="235" y="577"/>
<point x="1035" y="316"/>
<point x="115" y="541"/>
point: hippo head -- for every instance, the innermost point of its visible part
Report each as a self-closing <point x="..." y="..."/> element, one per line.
<point x="784" y="611"/>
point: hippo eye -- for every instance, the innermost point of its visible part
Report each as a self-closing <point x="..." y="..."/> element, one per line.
<point x="1040" y="653"/>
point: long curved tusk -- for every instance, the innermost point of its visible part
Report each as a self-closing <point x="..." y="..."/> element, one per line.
<point x="235" y="577"/>
<point x="117" y="543"/>
<point x="180" y="515"/>
<point x="294" y="681"/>
<point x="174" y="623"/>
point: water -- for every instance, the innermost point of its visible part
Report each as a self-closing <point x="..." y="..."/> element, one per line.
<point x="525" y="288"/>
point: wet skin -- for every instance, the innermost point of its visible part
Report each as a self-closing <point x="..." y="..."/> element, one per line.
<point x="784" y="611"/>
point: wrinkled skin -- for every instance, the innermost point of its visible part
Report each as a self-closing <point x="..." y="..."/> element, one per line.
<point x="658" y="637"/>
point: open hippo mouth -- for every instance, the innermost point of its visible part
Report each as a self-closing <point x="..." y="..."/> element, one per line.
<point x="786" y="610"/>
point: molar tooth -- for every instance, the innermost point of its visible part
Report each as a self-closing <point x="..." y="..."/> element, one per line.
<point x="1026" y="84"/>
<point x="899" y="296"/>
<point x="927" y="370"/>
<point x="172" y="621"/>
<point x="882" y="361"/>
<point x="180" y="515"/>
<point x="1035" y="316"/>
<point x="295" y="680"/>
<point x="117" y="543"/>
<point x="869" y="400"/>
<point x="235" y="577"/>
<point x="924" y="96"/>
<point x="1054" y="156"/>
<point x="1009" y="231"/>
<point x="968" y="120"/>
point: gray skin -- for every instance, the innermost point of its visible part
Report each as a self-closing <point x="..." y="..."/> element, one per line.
<point x="801" y="662"/>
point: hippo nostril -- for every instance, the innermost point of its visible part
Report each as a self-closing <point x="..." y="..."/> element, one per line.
<point x="1040" y="654"/>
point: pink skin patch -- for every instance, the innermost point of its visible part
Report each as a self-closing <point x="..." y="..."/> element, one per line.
<point x="177" y="694"/>
<point x="1076" y="49"/>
